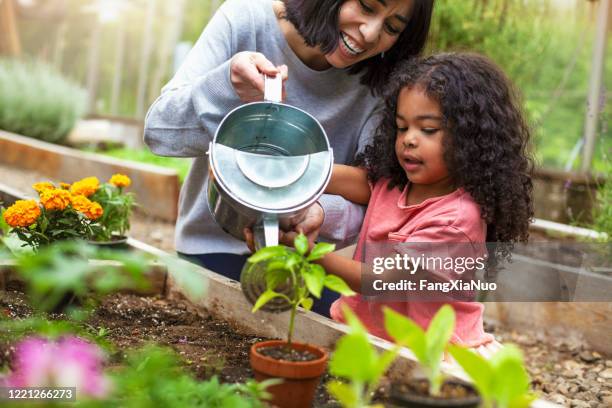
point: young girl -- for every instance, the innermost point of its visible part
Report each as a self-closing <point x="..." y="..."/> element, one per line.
<point x="448" y="164"/>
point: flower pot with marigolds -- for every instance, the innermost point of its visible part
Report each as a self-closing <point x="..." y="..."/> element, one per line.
<point x="57" y="215"/>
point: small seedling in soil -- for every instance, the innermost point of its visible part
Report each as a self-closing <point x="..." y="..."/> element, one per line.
<point x="357" y="362"/>
<point x="502" y="381"/>
<point x="295" y="265"/>
<point x="428" y="347"/>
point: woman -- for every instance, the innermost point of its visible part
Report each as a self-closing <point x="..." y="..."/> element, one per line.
<point x="334" y="57"/>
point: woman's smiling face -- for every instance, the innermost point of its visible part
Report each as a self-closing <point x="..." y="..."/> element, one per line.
<point x="367" y="28"/>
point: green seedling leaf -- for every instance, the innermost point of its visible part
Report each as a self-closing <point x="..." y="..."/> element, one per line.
<point x="276" y="275"/>
<point x="307" y="303"/>
<point x="406" y="333"/>
<point x="301" y="244"/>
<point x="343" y="393"/>
<point x="320" y="250"/>
<point x="438" y="335"/>
<point x="511" y="379"/>
<point x="336" y="284"/>
<point x="344" y="361"/>
<point x="264" y="298"/>
<point x="477" y="367"/>
<point x="314" y="278"/>
<point x="267" y="253"/>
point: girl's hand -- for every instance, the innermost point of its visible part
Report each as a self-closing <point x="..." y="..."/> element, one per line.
<point x="246" y="74"/>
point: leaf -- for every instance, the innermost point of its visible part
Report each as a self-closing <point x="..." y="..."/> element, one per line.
<point x="314" y="277"/>
<point x="264" y="298"/>
<point x="477" y="367"/>
<point x="301" y="244"/>
<point x="382" y="364"/>
<point x="336" y="284"/>
<point x="276" y="276"/>
<point x="508" y="365"/>
<point x="343" y="393"/>
<point x="439" y="333"/>
<point x="406" y="333"/>
<point x="307" y="303"/>
<point x="320" y="250"/>
<point x="354" y="358"/>
<point x="267" y="253"/>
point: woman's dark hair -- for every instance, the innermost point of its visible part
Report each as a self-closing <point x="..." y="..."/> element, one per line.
<point x="317" y="22"/>
<point x="486" y="144"/>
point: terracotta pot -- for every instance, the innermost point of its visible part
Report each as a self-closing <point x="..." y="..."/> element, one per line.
<point x="300" y="379"/>
<point x="401" y="398"/>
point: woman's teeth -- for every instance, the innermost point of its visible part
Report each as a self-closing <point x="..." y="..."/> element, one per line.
<point x="350" y="46"/>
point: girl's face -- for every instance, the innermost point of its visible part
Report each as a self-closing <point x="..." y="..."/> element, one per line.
<point x="367" y="28"/>
<point x="418" y="144"/>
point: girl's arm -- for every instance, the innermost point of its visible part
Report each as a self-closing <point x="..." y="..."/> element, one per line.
<point x="345" y="268"/>
<point x="349" y="182"/>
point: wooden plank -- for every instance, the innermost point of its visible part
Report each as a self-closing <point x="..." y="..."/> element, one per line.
<point x="156" y="188"/>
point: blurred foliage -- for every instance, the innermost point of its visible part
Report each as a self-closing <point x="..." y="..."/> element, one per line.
<point x="37" y="101"/>
<point x="546" y="51"/>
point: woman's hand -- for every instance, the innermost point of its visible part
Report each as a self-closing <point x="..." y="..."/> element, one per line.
<point x="309" y="224"/>
<point x="246" y="74"/>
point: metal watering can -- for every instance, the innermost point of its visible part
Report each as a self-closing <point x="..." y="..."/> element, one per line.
<point x="269" y="162"/>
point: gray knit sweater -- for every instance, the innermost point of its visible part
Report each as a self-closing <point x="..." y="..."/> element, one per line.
<point x="183" y="120"/>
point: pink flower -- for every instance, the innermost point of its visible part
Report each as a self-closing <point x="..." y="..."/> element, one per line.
<point x="68" y="362"/>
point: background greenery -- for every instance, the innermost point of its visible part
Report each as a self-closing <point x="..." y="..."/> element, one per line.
<point x="545" y="46"/>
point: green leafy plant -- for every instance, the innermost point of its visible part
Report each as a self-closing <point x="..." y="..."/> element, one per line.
<point x="153" y="377"/>
<point x="502" y="381"/>
<point x="37" y="101"/>
<point x="306" y="279"/>
<point x="65" y="269"/>
<point x="117" y="205"/>
<point x="429" y="346"/>
<point x="358" y="364"/>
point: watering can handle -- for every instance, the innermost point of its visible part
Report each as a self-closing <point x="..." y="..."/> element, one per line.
<point x="266" y="232"/>
<point x="273" y="88"/>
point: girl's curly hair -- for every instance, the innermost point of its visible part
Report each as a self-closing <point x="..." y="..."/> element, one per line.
<point x="486" y="144"/>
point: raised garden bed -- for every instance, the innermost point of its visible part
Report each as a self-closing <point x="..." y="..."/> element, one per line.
<point x="156" y="188"/>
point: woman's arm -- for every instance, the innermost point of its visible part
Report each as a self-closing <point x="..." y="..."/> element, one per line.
<point x="349" y="182"/>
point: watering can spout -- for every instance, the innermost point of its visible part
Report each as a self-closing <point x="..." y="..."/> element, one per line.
<point x="266" y="232"/>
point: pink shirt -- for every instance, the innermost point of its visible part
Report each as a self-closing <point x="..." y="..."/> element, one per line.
<point x="454" y="217"/>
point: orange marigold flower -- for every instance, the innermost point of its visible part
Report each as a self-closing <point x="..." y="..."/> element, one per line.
<point x="86" y="187"/>
<point x="95" y="211"/>
<point x="90" y="209"/>
<point x="120" y="180"/>
<point x="22" y="214"/>
<point x="55" y="199"/>
<point x="40" y="187"/>
<point x="65" y="186"/>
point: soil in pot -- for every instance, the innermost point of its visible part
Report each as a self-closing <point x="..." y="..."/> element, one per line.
<point x="452" y="394"/>
<point x="300" y="367"/>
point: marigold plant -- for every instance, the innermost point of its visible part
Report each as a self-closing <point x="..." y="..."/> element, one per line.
<point x="55" y="199"/>
<point x="87" y="186"/>
<point x="120" y="180"/>
<point x="117" y="206"/>
<point x="42" y="186"/>
<point x="22" y="214"/>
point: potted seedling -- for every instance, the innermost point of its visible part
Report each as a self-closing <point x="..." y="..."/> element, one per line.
<point x="357" y="365"/>
<point x="300" y="365"/>
<point x="501" y="381"/>
<point x="428" y="347"/>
